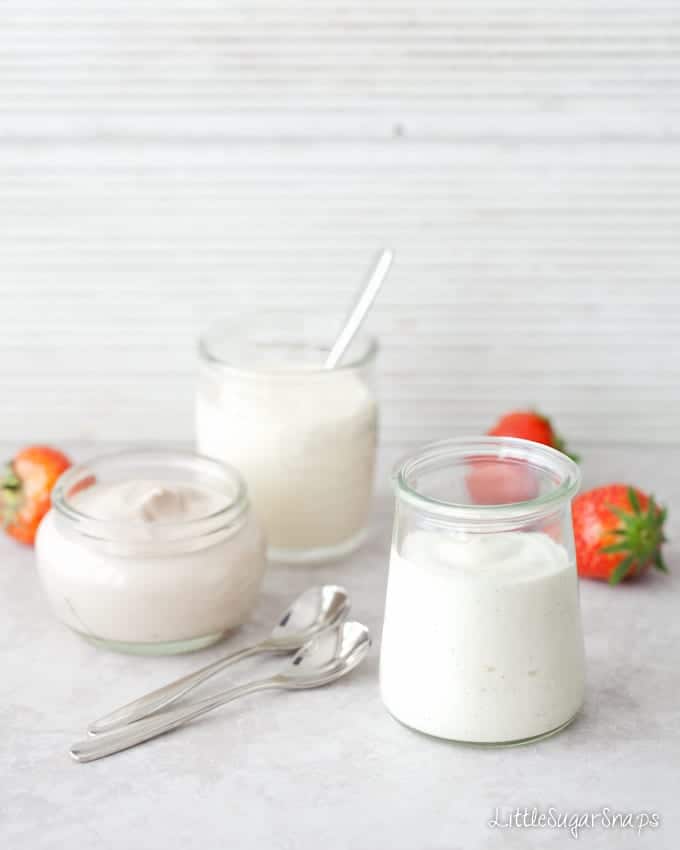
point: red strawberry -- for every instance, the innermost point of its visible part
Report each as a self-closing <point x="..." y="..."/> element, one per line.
<point x="492" y="482"/>
<point x="25" y="488"/>
<point x="618" y="531"/>
<point x="529" y="425"/>
<point x="495" y="483"/>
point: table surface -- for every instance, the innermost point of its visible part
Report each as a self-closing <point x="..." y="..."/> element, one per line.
<point x="330" y="768"/>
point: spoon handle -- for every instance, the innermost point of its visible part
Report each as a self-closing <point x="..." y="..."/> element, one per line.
<point x="360" y="308"/>
<point x="150" y="727"/>
<point x="152" y="702"/>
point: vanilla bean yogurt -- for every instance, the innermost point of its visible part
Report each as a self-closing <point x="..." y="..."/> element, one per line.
<point x="151" y="551"/>
<point x="493" y="649"/>
<point x="482" y="638"/>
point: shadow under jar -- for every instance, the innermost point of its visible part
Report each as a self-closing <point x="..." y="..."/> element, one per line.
<point x="151" y="552"/>
<point x="303" y="437"/>
<point x="482" y="638"/>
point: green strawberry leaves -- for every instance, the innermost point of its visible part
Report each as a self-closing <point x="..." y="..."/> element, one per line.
<point x="10" y="495"/>
<point x="621" y="570"/>
<point x="639" y="536"/>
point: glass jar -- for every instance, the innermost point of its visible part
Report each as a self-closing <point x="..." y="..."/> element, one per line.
<point x="482" y="638"/>
<point x="303" y="437"/>
<point x="151" y="552"/>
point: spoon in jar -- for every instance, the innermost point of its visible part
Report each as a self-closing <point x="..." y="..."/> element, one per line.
<point x="315" y="610"/>
<point x="362" y="305"/>
<point x="325" y="658"/>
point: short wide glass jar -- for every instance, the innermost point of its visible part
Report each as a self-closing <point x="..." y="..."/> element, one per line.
<point x="482" y="638"/>
<point x="303" y="437"/>
<point x="151" y="552"/>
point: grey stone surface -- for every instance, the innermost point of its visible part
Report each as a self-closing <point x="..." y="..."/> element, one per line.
<point x="330" y="769"/>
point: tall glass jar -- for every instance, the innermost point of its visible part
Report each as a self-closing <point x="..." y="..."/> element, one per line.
<point x="482" y="638"/>
<point x="303" y="437"/>
<point x="151" y="552"/>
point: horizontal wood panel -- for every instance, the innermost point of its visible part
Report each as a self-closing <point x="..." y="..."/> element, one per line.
<point x="162" y="164"/>
<point x="332" y="70"/>
<point x="540" y="277"/>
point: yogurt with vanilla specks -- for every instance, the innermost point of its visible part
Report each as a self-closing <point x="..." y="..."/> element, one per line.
<point x="482" y="636"/>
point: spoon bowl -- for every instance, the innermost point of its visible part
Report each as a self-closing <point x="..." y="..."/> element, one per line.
<point x="313" y="611"/>
<point x="328" y="656"/>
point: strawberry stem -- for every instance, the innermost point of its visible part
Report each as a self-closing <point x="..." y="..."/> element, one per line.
<point x="9" y="479"/>
<point x="561" y="446"/>
<point x="621" y="570"/>
<point x="10" y="495"/>
<point x="638" y="537"/>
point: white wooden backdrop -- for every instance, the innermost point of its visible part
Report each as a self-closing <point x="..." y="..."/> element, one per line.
<point x="165" y="162"/>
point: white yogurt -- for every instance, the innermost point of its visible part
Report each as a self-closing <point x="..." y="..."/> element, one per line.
<point x="149" y="581"/>
<point x="305" y="443"/>
<point x="482" y="636"/>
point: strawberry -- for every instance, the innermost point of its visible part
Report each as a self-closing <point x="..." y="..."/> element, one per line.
<point x="529" y="425"/>
<point x="492" y="483"/>
<point x="25" y="488"/>
<point x="618" y="532"/>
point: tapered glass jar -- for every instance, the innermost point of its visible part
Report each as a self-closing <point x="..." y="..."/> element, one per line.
<point x="482" y="638"/>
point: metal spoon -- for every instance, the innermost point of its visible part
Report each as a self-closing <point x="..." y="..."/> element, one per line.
<point x="362" y="304"/>
<point x="327" y="657"/>
<point x="312" y="612"/>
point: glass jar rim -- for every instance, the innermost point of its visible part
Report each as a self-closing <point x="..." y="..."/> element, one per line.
<point x="500" y="448"/>
<point x="235" y="327"/>
<point x="177" y="529"/>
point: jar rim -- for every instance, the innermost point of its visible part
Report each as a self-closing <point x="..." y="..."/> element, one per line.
<point x="235" y="327"/>
<point x="499" y="448"/>
<point x="237" y="503"/>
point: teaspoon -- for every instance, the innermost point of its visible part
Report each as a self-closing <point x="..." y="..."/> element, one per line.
<point x="312" y="612"/>
<point x="326" y="657"/>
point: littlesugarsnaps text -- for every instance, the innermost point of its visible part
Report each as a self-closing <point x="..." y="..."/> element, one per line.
<point x="574" y="822"/>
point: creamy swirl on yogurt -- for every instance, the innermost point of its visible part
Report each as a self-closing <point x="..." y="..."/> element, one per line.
<point x="148" y="501"/>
